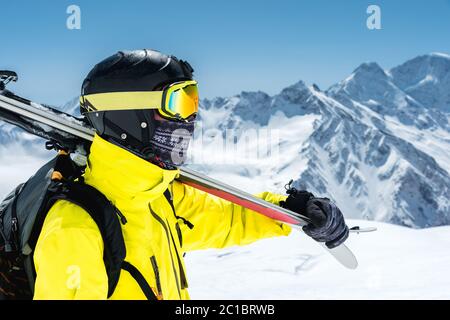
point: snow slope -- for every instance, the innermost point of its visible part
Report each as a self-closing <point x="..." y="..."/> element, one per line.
<point x="394" y="263"/>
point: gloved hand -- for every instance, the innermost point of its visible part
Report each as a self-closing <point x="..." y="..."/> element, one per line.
<point x="327" y="222"/>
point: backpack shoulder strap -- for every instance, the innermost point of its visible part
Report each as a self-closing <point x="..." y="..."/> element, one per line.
<point x="139" y="278"/>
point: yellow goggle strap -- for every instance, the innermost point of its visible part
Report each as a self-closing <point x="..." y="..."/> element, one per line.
<point x="122" y="100"/>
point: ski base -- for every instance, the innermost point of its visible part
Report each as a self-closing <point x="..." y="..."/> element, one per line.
<point x="344" y="255"/>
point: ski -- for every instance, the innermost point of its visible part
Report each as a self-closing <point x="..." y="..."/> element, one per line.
<point x="73" y="134"/>
<point x="358" y="229"/>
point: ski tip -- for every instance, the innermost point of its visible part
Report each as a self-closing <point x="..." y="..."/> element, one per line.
<point x="353" y="265"/>
<point x="344" y="255"/>
<point x="358" y="229"/>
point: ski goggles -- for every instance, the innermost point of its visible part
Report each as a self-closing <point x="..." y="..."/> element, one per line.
<point x="177" y="101"/>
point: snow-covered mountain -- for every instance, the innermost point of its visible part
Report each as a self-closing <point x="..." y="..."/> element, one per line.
<point x="426" y="79"/>
<point x="377" y="142"/>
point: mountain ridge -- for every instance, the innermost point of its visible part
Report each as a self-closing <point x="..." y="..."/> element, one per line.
<point x="373" y="142"/>
<point x="377" y="172"/>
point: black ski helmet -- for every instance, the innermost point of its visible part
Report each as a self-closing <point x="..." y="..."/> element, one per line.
<point x="131" y="71"/>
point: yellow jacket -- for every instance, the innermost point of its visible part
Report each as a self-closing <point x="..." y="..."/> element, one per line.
<point x="69" y="253"/>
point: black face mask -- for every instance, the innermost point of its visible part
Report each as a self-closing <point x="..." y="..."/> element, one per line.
<point x="161" y="142"/>
<point x="170" y="141"/>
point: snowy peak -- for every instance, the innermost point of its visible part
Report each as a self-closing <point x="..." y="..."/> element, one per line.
<point x="368" y="71"/>
<point x="297" y="93"/>
<point x="257" y="106"/>
<point x="363" y="75"/>
<point x="434" y="67"/>
<point x="299" y="86"/>
<point x="366" y="82"/>
<point x="369" y="84"/>
<point x="250" y="99"/>
<point x="427" y="79"/>
<point x="415" y="93"/>
<point x="440" y="55"/>
<point x="253" y="106"/>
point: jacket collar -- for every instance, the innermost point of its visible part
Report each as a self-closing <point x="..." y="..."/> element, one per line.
<point x="121" y="175"/>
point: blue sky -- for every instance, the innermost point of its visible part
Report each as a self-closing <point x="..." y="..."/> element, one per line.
<point x="233" y="45"/>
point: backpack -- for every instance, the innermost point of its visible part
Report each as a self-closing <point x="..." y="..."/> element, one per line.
<point x="22" y="214"/>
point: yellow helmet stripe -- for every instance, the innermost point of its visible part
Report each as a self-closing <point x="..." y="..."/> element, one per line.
<point x="123" y="100"/>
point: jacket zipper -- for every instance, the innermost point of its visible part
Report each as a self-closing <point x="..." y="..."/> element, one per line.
<point x="180" y="235"/>
<point x="169" y="198"/>
<point x="183" y="279"/>
<point x="158" y="218"/>
<point x="157" y="278"/>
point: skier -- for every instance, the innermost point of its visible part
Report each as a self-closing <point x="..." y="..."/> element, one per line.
<point x="143" y="105"/>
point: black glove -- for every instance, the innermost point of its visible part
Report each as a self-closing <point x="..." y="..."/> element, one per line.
<point x="327" y="222"/>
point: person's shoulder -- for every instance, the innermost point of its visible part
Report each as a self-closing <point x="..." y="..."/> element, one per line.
<point x="68" y="232"/>
<point x="68" y="215"/>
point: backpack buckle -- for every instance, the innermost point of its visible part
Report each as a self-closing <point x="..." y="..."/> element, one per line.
<point x="14" y="225"/>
